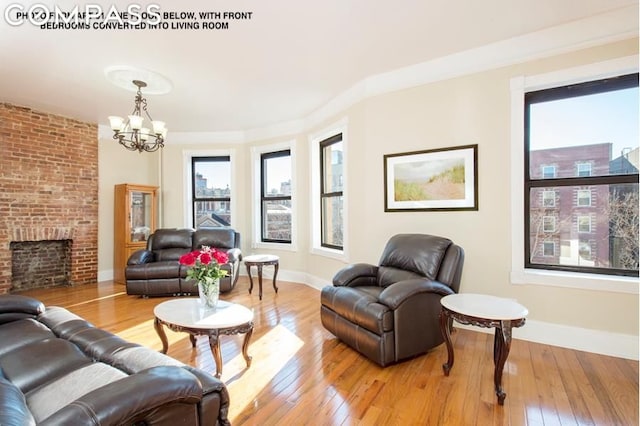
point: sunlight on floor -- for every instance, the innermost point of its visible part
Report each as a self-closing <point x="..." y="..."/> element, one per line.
<point x="140" y="334"/>
<point x="245" y="384"/>
<point x="86" y="302"/>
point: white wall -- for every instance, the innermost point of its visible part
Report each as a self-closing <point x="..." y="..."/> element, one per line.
<point x="469" y="109"/>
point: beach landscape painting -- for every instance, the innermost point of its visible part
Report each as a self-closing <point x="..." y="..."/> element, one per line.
<point x="439" y="179"/>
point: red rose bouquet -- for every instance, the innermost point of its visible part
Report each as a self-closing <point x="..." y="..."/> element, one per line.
<point x="205" y="265"/>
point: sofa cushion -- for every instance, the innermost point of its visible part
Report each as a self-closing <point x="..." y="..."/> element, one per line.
<point x="21" y="333"/>
<point x="418" y="253"/>
<point x="155" y="270"/>
<point x="32" y="365"/>
<point x="171" y="238"/>
<point x="220" y="238"/>
<point x="55" y="395"/>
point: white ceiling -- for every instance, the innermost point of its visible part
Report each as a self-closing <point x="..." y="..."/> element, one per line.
<point x="290" y="59"/>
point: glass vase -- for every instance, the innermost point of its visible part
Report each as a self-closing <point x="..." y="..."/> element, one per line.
<point x="209" y="293"/>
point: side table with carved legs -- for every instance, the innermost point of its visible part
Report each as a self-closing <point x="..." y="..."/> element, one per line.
<point x="189" y="316"/>
<point x="260" y="261"/>
<point x="483" y="311"/>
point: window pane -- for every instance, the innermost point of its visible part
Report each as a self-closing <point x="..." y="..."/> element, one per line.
<point x="591" y="135"/>
<point x="608" y="227"/>
<point x="332" y="221"/>
<point x="332" y="157"/>
<point x="212" y="179"/>
<point x="212" y="214"/>
<point x="277" y="177"/>
<point x="276" y="220"/>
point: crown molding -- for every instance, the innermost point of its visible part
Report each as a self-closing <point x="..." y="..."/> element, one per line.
<point x="609" y="27"/>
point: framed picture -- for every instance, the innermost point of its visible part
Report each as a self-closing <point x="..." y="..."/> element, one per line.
<point x="436" y="179"/>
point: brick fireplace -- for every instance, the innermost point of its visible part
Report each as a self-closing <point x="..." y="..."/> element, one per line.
<point x="48" y="188"/>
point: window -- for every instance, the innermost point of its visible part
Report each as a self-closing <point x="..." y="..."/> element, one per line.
<point x="548" y="172"/>
<point x="548" y="248"/>
<point x="549" y="224"/>
<point x="275" y="196"/>
<point x="582" y="139"/>
<point x="331" y="195"/>
<point x="583" y="169"/>
<point x="584" y="250"/>
<point x="584" y="197"/>
<point x="549" y="198"/>
<point x="211" y="191"/>
<point x="584" y="224"/>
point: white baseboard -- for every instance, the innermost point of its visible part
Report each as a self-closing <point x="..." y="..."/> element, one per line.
<point x="581" y="339"/>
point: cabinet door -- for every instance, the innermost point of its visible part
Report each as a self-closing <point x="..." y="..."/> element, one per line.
<point x="140" y="215"/>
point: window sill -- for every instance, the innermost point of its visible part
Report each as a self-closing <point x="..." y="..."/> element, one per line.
<point x="331" y="253"/>
<point x="275" y="246"/>
<point x="608" y="283"/>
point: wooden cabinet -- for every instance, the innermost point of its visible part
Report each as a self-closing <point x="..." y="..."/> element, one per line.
<point x="135" y="218"/>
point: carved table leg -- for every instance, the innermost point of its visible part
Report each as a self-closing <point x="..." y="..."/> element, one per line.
<point x="445" y="328"/>
<point x="275" y="274"/>
<point x="260" y="280"/>
<point x="245" y="347"/>
<point x="502" y="346"/>
<point x="163" y="336"/>
<point x="214" y="343"/>
<point x="192" y="338"/>
<point x="250" y="279"/>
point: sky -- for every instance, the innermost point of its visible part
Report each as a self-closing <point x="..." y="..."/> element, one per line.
<point x="586" y="120"/>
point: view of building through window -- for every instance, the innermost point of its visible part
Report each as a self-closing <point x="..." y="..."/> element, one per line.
<point x="331" y="192"/>
<point x="211" y="191"/>
<point x="582" y="178"/>
<point x="276" y="196"/>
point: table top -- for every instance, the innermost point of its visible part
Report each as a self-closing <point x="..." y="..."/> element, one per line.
<point x="189" y="312"/>
<point x="484" y="306"/>
<point x="261" y="258"/>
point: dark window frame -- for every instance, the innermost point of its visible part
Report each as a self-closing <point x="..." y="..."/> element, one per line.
<point x="326" y="195"/>
<point x="265" y="198"/>
<point x="564" y="92"/>
<point x="194" y="197"/>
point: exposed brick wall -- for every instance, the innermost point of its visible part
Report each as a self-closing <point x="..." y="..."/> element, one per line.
<point x="48" y="187"/>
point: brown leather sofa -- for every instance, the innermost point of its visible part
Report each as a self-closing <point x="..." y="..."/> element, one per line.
<point x="156" y="271"/>
<point x="390" y="312"/>
<point x="57" y="369"/>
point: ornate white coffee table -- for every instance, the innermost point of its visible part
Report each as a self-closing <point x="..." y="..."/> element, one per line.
<point x="190" y="316"/>
<point x="483" y="311"/>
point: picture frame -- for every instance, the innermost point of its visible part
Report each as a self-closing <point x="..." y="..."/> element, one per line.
<point x="444" y="179"/>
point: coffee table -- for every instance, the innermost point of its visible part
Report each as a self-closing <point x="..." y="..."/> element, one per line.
<point x="189" y="315"/>
<point x="259" y="261"/>
<point x="483" y="311"/>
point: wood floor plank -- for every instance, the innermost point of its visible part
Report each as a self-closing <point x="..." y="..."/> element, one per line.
<point x="302" y="375"/>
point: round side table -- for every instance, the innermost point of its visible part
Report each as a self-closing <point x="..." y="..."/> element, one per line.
<point x="259" y="261"/>
<point x="483" y="311"/>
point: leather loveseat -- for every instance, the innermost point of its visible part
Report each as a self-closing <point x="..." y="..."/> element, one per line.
<point x="156" y="271"/>
<point x="57" y="369"/>
<point x="390" y="312"/>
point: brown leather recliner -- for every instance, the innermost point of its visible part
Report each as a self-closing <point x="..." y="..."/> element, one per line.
<point x="390" y="312"/>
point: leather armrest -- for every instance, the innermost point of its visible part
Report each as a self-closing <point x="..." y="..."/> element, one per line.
<point x="355" y="275"/>
<point x="13" y="406"/>
<point x="141" y="257"/>
<point x="235" y="255"/>
<point x="127" y="400"/>
<point x="394" y="295"/>
<point x="14" y="303"/>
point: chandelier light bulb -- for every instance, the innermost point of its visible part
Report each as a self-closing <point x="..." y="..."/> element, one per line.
<point x="117" y="123"/>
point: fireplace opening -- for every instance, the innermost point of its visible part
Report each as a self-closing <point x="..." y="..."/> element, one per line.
<point x="40" y="264"/>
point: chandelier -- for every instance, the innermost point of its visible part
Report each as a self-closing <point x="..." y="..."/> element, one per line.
<point x="131" y="134"/>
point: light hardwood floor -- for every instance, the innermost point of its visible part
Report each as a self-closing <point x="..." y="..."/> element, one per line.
<point x="301" y="375"/>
